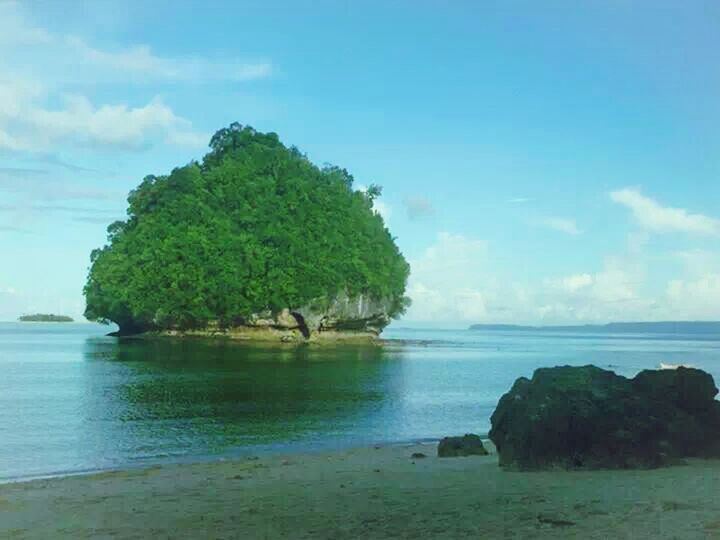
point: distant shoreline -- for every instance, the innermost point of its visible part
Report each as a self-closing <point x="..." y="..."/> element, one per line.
<point x="663" y="327"/>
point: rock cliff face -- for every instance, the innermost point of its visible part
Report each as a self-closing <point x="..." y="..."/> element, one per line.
<point x="342" y="318"/>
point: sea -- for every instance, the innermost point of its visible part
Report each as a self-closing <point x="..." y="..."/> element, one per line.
<point x="73" y="400"/>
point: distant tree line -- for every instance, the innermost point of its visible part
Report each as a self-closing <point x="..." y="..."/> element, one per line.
<point x="42" y="317"/>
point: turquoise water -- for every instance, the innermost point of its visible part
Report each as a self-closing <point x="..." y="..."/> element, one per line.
<point x="72" y="399"/>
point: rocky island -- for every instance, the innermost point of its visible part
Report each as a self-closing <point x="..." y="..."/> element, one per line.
<point x="43" y="317"/>
<point x="254" y="242"/>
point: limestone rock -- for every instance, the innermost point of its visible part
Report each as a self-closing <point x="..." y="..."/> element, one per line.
<point x="340" y="316"/>
<point x="343" y="312"/>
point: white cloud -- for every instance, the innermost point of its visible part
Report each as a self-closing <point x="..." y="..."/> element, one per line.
<point x="459" y="279"/>
<point x="446" y="281"/>
<point x="567" y="226"/>
<point x="571" y="283"/>
<point x="617" y="282"/>
<point x="611" y="294"/>
<point x="429" y="304"/>
<point x="139" y="59"/>
<point x="656" y="218"/>
<point x="695" y="299"/>
<point x="17" y="95"/>
<point x="37" y="67"/>
<point x="189" y="139"/>
<point x="384" y="209"/>
<point x="697" y="262"/>
<point x="695" y="294"/>
<point x="9" y="142"/>
<point x="29" y="125"/>
<point x="451" y="255"/>
<point x="16" y="30"/>
<point x="71" y="57"/>
<point x="519" y="200"/>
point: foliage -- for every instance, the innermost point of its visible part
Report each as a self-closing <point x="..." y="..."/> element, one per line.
<point x="256" y="226"/>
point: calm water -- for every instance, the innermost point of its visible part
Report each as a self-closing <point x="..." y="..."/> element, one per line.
<point x="72" y="399"/>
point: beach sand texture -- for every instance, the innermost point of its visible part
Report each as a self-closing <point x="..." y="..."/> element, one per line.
<point x="366" y="493"/>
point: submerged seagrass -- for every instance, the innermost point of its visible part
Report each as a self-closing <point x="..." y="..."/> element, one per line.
<point x="254" y="241"/>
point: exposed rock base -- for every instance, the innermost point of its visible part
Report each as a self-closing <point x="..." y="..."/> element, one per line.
<point x="273" y="335"/>
<point x="356" y="319"/>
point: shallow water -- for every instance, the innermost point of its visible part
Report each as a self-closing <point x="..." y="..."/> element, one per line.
<point x="72" y="399"/>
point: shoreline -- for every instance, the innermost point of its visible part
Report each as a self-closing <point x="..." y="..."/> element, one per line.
<point x="261" y="336"/>
<point x="366" y="492"/>
<point x="268" y="451"/>
<point x="328" y="339"/>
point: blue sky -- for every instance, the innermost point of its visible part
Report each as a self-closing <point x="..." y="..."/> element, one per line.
<point x="542" y="162"/>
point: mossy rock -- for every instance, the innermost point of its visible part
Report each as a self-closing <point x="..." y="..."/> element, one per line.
<point x="588" y="418"/>
<point x="467" y="445"/>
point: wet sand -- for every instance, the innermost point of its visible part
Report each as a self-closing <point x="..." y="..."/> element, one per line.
<point x="366" y="493"/>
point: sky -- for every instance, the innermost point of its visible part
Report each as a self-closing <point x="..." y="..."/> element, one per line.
<point x="541" y="162"/>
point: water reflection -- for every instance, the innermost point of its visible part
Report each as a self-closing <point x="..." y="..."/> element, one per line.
<point x="149" y="399"/>
<point x="72" y="399"/>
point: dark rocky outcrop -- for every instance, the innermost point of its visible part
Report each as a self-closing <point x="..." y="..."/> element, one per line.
<point x="587" y="417"/>
<point x="467" y="445"/>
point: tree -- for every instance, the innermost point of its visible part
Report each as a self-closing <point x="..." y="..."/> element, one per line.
<point x="255" y="226"/>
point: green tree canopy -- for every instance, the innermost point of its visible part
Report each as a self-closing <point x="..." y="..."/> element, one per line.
<point x="256" y="226"/>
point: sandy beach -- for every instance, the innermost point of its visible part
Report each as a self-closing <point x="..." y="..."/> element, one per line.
<point x="366" y="493"/>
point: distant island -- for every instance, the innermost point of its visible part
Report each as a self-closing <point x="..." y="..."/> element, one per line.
<point x="253" y="242"/>
<point x="664" y="327"/>
<point x="42" y="317"/>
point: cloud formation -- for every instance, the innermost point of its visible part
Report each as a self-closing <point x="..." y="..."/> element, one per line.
<point x="458" y="279"/>
<point x="27" y="125"/>
<point x="41" y="106"/>
<point x="135" y="63"/>
<point x="613" y="293"/>
<point x="140" y="59"/>
<point x="653" y="217"/>
<point x="695" y="298"/>
<point x="571" y="283"/>
<point x="446" y="281"/>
